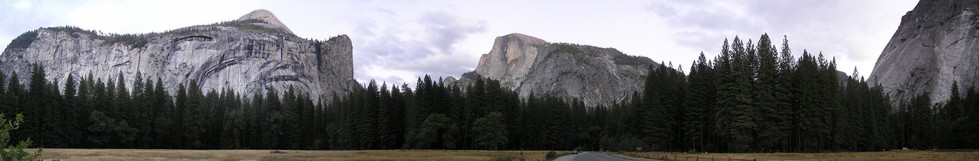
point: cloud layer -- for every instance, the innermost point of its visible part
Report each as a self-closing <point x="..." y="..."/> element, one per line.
<point x="414" y="46"/>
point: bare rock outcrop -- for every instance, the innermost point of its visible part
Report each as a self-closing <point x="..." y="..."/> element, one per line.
<point x="937" y="44"/>
<point x="249" y="55"/>
<point x="528" y="65"/>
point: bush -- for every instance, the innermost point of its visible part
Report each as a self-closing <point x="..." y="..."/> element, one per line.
<point x="11" y="152"/>
<point x="551" y="155"/>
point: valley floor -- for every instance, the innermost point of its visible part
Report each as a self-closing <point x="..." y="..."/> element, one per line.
<point x="964" y="155"/>
<point x="247" y="155"/>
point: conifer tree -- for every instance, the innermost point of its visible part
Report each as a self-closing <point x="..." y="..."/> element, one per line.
<point x="765" y="96"/>
<point x="699" y="112"/>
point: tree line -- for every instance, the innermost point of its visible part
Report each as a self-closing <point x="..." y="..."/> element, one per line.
<point x="755" y="98"/>
<point x="749" y="98"/>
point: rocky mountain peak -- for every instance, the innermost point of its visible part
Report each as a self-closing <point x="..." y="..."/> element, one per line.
<point x="270" y="20"/>
<point x="233" y="55"/>
<point x="512" y="55"/>
<point x="520" y="37"/>
<point x="529" y="65"/>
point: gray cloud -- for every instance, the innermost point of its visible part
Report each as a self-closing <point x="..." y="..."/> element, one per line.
<point x="398" y="51"/>
<point x="19" y="16"/>
<point x="446" y="30"/>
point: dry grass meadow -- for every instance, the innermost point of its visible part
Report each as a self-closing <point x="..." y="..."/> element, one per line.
<point x="263" y="155"/>
<point x="964" y="155"/>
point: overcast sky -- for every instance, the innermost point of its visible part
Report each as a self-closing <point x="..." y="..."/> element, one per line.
<point x="398" y="41"/>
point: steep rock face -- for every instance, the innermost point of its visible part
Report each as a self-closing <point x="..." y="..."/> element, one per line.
<point x="936" y="44"/>
<point x="246" y="55"/>
<point x="529" y="65"/>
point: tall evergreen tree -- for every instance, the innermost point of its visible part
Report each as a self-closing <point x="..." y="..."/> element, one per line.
<point x="699" y="114"/>
<point x="765" y="96"/>
<point x="180" y="120"/>
<point x="784" y="112"/>
<point x="654" y="120"/>
<point x="36" y="106"/>
<point x="73" y="112"/>
<point x="743" y="127"/>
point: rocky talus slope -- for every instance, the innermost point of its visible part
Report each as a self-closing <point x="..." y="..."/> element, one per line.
<point x="249" y="55"/>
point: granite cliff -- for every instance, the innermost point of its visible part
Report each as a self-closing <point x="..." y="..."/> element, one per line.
<point x="249" y="55"/>
<point x="529" y="65"/>
<point x="936" y="44"/>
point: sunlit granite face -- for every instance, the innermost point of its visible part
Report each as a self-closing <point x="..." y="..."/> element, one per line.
<point x="244" y="57"/>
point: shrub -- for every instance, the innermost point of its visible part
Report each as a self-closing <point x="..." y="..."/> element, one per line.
<point x="12" y="152"/>
<point x="551" y="155"/>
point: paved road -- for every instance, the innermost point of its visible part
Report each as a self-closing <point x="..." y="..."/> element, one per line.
<point x="597" y="156"/>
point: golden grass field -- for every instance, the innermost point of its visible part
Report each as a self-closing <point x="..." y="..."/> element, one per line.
<point x="970" y="155"/>
<point x="262" y="155"/>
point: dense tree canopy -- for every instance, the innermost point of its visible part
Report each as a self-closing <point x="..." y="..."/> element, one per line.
<point x="752" y="97"/>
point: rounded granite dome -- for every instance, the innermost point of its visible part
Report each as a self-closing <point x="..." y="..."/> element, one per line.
<point x="270" y="20"/>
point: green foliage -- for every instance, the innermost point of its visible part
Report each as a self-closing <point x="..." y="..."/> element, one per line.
<point x="917" y="120"/>
<point x="701" y="100"/>
<point x="250" y="25"/>
<point x="14" y="152"/>
<point x="23" y="40"/>
<point x="106" y="131"/>
<point x="131" y="40"/>
<point x="490" y="131"/>
<point x="659" y="109"/>
<point x="437" y="128"/>
<point x="626" y="142"/>
<point x="551" y="155"/>
<point x="623" y="59"/>
<point x="566" y="48"/>
<point x="72" y="29"/>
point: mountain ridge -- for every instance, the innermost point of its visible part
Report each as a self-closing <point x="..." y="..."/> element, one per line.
<point x="249" y="55"/>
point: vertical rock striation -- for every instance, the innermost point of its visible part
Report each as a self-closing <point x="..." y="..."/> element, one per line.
<point x="936" y="45"/>
<point x="529" y="65"/>
<point x="250" y="55"/>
